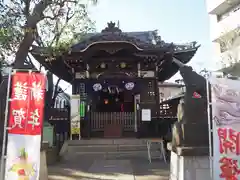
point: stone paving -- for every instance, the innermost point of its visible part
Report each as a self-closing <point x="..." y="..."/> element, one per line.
<point x="90" y="168"/>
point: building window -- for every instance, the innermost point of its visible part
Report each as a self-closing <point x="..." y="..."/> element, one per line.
<point x="150" y="84"/>
<point x="56" y="103"/>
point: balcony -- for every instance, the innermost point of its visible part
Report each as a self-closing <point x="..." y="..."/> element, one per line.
<point x="231" y="56"/>
<point x="213" y="5"/>
<point x="226" y="25"/>
<point x="220" y="6"/>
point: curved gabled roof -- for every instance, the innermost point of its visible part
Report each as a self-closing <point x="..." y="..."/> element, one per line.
<point x="60" y="69"/>
<point x="144" y="43"/>
<point x="142" y="40"/>
<point x="169" y="68"/>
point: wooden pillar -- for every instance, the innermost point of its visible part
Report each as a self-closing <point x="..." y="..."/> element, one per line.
<point x="88" y="113"/>
<point x="81" y="90"/>
<point x="87" y="71"/>
<point x="157" y="98"/>
<point x="74" y="87"/>
<point x="139" y="69"/>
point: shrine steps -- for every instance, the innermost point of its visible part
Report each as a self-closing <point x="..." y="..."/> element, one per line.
<point x="107" y="148"/>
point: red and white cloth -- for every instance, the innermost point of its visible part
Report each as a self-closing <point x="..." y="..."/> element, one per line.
<point x="25" y="126"/>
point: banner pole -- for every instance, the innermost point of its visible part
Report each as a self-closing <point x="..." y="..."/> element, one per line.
<point x="2" y="171"/>
<point x="209" y="108"/>
<point x="71" y="114"/>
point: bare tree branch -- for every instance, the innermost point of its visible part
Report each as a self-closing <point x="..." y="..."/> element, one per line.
<point x="38" y="39"/>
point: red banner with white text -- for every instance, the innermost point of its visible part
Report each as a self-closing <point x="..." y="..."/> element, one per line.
<point x="25" y="125"/>
<point x="27" y="102"/>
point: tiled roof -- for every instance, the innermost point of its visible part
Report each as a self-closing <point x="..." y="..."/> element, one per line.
<point x="170" y="84"/>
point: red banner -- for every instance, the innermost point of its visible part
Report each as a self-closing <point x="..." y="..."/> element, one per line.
<point x="27" y="103"/>
<point x="25" y="126"/>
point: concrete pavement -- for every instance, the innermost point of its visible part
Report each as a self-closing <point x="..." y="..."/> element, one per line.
<point x="90" y="168"/>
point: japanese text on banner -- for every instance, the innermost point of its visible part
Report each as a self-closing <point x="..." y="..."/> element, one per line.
<point x="225" y="96"/>
<point x="229" y="144"/>
<point x="27" y="103"/>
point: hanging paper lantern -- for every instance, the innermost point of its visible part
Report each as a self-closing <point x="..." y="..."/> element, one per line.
<point x="129" y="86"/>
<point x="105" y="101"/>
<point x="123" y="65"/>
<point x="103" y="65"/>
<point x="97" y="87"/>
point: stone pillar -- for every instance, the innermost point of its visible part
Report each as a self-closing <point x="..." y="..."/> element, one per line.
<point x="195" y="120"/>
<point x="190" y="147"/>
<point x="43" y="174"/>
<point x="189" y="164"/>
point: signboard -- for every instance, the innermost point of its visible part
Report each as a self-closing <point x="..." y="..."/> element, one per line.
<point x="25" y="126"/>
<point x="225" y="120"/>
<point x="146" y="114"/>
<point x="75" y="114"/>
<point x="82" y="109"/>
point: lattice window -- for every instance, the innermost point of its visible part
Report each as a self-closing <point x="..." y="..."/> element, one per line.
<point x="82" y="91"/>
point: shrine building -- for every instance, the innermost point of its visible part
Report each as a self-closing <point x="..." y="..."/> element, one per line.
<point x="116" y="74"/>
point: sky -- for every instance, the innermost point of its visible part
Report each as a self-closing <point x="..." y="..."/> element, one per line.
<point x="177" y="21"/>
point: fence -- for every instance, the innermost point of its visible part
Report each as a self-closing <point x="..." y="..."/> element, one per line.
<point x="60" y="120"/>
<point x="100" y="119"/>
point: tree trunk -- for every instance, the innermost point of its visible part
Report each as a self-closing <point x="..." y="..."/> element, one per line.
<point x="31" y="28"/>
<point x="48" y="96"/>
<point x="1" y="72"/>
<point x="23" y="50"/>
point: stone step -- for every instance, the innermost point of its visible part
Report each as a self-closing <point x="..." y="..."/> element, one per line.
<point x="112" y="155"/>
<point x="107" y="142"/>
<point x="109" y="148"/>
<point x="136" y="154"/>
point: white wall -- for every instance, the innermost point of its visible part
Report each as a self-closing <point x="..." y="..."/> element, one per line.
<point x="229" y="23"/>
<point x="167" y="92"/>
<point x="219" y="28"/>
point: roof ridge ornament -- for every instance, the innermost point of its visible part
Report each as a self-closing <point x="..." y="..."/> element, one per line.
<point x="186" y="46"/>
<point x="111" y="28"/>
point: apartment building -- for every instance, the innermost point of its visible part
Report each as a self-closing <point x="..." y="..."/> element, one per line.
<point x="225" y="29"/>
